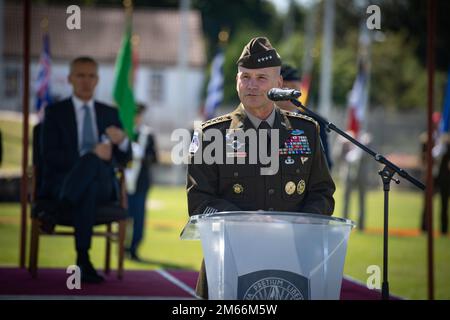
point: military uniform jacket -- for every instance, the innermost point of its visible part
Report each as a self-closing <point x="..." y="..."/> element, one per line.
<point x="301" y="184"/>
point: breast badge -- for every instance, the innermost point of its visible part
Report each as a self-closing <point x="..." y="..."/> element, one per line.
<point x="301" y="186"/>
<point x="289" y="188"/>
<point x="238" y="188"/>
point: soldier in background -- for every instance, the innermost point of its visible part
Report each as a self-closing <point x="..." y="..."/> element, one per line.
<point x="440" y="174"/>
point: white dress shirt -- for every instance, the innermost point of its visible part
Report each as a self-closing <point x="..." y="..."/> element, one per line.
<point x="79" y="116"/>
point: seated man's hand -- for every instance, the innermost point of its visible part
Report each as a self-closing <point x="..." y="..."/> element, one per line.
<point x="103" y="151"/>
<point x="115" y="134"/>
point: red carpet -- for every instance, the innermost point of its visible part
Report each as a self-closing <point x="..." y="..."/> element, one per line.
<point x="137" y="284"/>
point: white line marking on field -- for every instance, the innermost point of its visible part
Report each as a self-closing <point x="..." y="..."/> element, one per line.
<point x="177" y="282"/>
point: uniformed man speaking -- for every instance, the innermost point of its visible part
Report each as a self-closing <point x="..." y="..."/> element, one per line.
<point x="301" y="181"/>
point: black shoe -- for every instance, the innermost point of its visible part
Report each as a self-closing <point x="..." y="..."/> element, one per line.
<point x="46" y="211"/>
<point x="47" y="225"/>
<point x="135" y="257"/>
<point x="132" y="255"/>
<point x="88" y="273"/>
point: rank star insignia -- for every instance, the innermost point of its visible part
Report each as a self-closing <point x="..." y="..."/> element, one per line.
<point x="301" y="186"/>
<point x="289" y="187"/>
<point x="238" y="188"/>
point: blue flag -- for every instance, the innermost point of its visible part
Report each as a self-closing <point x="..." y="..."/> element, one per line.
<point x="445" y="119"/>
<point x="43" y="96"/>
<point x="215" y="86"/>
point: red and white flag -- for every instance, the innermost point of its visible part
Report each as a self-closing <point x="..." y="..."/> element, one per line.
<point x="357" y="101"/>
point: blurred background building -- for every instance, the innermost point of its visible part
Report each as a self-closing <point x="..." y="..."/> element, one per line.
<point x="175" y="43"/>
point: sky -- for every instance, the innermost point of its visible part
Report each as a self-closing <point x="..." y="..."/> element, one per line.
<point x="282" y="5"/>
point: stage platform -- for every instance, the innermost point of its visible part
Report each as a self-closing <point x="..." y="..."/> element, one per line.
<point x="17" y="283"/>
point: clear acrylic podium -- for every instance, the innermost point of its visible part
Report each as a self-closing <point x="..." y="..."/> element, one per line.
<point x="258" y="255"/>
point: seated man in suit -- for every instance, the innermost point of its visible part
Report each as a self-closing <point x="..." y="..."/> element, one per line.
<point x="82" y="142"/>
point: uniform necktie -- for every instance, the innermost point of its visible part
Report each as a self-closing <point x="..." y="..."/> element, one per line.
<point x="266" y="125"/>
<point x="88" y="140"/>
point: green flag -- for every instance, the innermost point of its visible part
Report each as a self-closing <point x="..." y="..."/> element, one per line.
<point x="123" y="87"/>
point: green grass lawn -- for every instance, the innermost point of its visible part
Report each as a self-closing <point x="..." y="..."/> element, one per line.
<point x="168" y="214"/>
<point x="12" y="144"/>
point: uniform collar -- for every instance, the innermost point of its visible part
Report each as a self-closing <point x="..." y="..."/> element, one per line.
<point x="239" y="117"/>
<point x="257" y="121"/>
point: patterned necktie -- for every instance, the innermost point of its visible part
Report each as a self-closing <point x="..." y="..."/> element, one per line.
<point x="88" y="140"/>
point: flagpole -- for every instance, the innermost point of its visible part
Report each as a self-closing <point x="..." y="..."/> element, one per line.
<point x="308" y="61"/>
<point x="429" y="192"/>
<point x="2" y="28"/>
<point x="25" y="131"/>
<point x="326" y="64"/>
<point x="183" y="58"/>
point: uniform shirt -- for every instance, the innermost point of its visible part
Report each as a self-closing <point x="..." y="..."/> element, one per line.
<point x="257" y="121"/>
<point x="301" y="184"/>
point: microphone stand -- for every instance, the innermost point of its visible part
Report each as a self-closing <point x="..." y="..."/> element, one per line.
<point x="387" y="174"/>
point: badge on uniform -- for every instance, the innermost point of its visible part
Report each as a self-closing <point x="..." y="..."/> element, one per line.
<point x="236" y="144"/>
<point x="304" y="159"/>
<point x="289" y="160"/>
<point x="238" y="188"/>
<point x="289" y="188"/>
<point x="238" y="154"/>
<point x="194" y="143"/>
<point x="301" y="186"/>
<point x="296" y="144"/>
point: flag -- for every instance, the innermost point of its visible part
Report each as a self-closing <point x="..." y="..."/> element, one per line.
<point x="43" y="96"/>
<point x="304" y="88"/>
<point x="445" y="119"/>
<point x="123" y="85"/>
<point x="215" y="86"/>
<point x="135" y="57"/>
<point x="357" y="100"/>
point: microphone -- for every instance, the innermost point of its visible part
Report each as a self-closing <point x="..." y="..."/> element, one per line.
<point x="277" y="94"/>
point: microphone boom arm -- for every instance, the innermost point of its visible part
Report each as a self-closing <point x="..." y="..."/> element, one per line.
<point x="378" y="157"/>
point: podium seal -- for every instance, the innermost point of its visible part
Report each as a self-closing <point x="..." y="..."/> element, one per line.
<point x="273" y="285"/>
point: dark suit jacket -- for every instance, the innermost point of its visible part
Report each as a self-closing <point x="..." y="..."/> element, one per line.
<point x="59" y="141"/>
